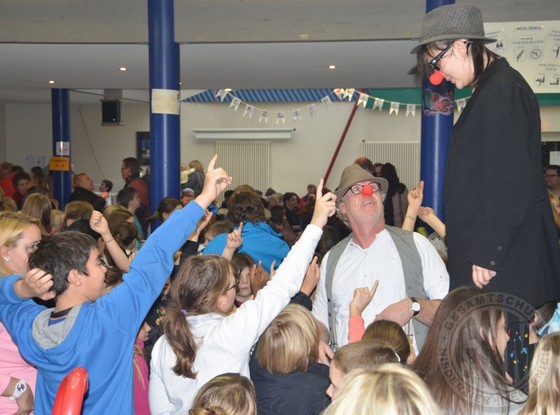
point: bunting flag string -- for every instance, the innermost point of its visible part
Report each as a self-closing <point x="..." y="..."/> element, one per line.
<point x="410" y="110"/>
<point x="341" y="95"/>
<point x="378" y="103"/>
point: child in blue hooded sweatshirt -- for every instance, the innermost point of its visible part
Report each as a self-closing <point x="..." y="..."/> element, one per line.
<point x="86" y="328"/>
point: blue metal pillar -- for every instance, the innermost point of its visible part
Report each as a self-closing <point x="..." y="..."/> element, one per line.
<point x="437" y="121"/>
<point x="62" y="180"/>
<point x="165" y="149"/>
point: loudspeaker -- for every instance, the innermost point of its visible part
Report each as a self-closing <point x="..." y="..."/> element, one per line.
<point x="111" y="112"/>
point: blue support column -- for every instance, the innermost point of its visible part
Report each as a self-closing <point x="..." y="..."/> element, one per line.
<point x="437" y="121"/>
<point x="62" y="180"/>
<point x="165" y="149"/>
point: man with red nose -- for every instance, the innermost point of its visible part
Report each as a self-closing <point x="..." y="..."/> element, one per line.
<point x="412" y="277"/>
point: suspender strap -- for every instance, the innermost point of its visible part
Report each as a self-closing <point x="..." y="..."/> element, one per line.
<point x="334" y="256"/>
<point x="413" y="275"/>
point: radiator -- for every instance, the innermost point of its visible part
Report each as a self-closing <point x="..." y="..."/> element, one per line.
<point x="248" y="162"/>
<point x="405" y="156"/>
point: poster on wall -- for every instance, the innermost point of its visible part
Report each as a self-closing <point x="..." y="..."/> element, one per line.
<point x="533" y="48"/>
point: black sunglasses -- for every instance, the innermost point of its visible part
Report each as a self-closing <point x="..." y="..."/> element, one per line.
<point x="437" y="58"/>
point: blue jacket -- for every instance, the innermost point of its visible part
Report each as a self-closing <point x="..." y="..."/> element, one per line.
<point x="103" y="335"/>
<point x="260" y="242"/>
<point x="299" y="393"/>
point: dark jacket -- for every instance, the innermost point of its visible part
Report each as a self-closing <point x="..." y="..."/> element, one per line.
<point x="497" y="211"/>
<point x="85" y="195"/>
<point x="300" y="393"/>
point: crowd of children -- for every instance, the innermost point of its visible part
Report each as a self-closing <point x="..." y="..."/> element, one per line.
<point x="164" y="330"/>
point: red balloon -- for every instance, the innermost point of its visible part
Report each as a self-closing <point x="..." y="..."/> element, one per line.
<point x="436" y="78"/>
<point x="70" y="395"/>
<point x="367" y="190"/>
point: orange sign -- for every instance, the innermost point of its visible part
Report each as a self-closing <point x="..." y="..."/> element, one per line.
<point x="60" y="164"/>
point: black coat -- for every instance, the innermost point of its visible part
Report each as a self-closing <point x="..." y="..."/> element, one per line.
<point x="497" y="211"/>
<point x="300" y="393"/>
<point x="85" y="195"/>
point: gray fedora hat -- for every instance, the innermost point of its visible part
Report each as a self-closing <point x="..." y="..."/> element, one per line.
<point x="451" y="22"/>
<point x="354" y="174"/>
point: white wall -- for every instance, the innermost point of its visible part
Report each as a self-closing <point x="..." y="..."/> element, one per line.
<point x="550" y="119"/>
<point x="305" y="158"/>
<point x="98" y="150"/>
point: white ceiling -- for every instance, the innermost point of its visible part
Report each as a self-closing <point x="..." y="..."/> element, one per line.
<point x="239" y="44"/>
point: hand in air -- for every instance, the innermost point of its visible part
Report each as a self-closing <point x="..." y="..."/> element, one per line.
<point x="98" y="223"/>
<point x="215" y="182"/>
<point x="362" y="297"/>
<point x="234" y="239"/>
<point x="325" y="206"/>
<point x="416" y="195"/>
<point x="311" y="278"/>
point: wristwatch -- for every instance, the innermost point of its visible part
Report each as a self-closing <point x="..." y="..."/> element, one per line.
<point x="20" y="387"/>
<point x="415" y="306"/>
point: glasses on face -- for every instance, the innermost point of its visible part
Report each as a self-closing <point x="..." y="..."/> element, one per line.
<point x="438" y="57"/>
<point x="550" y="175"/>
<point x="357" y="188"/>
<point x="234" y="286"/>
<point x="32" y="247"/>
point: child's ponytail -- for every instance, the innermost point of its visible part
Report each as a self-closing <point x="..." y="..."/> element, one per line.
<point x="201" y="280"/>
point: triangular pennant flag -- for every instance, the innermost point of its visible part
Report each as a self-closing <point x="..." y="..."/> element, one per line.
<point x="326" y="100"/>
<point x="378" y="104"/>
<point x="312" y="109"/>
<point x="249" y="110"/>
<point x="461" y="104"/>
<point x="411" y="109"/>
<point x="264" y="116"/>
<point x="296" y="115"/>
<point x="338" y="92"/>
<point x="394" y="108"/>
<point x="362" y="99"/>
<point x="349" y="93"/>
<point x="222" y="93"/>
<point x="281" y="117"/>
<point x="235" y="102"/>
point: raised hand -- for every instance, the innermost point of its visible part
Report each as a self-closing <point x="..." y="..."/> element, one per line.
<point x="362" y="297"/>
<point x="325" y="206"/>
<point x="233" y="241"/>
<point x="202" y="223"/>
<point x="98" y="223"/>
<point x="311" y="278"/>
<point x="416" y="195"/>
<point x="216" y="181"/>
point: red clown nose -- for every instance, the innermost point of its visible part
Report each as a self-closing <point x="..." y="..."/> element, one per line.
<point x="367" y="190"/>
<point x="436" y="78"/>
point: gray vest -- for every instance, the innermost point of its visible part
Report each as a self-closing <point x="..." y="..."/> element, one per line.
<point x="413" y="278"/>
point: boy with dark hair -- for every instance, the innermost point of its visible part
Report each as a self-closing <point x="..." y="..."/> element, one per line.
<point x="86" y="328"/>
